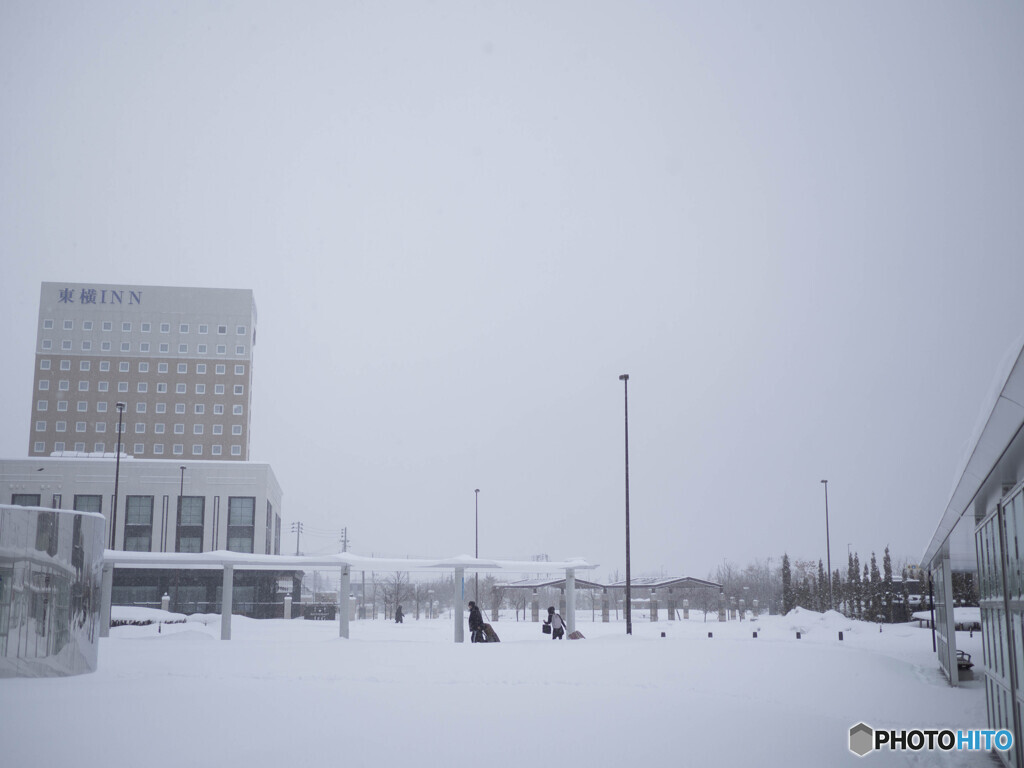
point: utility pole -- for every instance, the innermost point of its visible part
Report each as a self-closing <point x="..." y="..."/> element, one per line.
<point x="297" y="530"/>
<point x="344" y="539"/>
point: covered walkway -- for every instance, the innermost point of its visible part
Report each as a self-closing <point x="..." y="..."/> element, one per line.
<point x="345" y="562"/>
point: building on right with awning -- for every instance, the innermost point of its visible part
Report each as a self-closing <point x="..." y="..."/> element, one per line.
<point x="982" y="530"/>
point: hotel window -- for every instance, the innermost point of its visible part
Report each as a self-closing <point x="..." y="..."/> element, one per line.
<point x="158" y="429"/>
<point x="62" y="426"/>
<point x="143" y="387"/>
<point x="44" y="365"/>
<point x="80" y="447"/>
<point x="83" y="386"/>
<point x="239" y="370"/>
<point x="182" y="349"/>
<point x="146" y="327"/>
<point x="165" y="327"/>
<point x="161" y="367"/>
<point x="200" y="367"/>
<point x="165" y="348"/>
<point x="140" y="407"/>
<point x="83" y="406"/>
<point x="143" y="367"/>
<point x="190" y="524"/>
<point x="64" y="385"/>
<point x="84" y="365"/>
<point x="182" y="367"/>
<point x="62" y="405"/>
<point x="101" y="407"/>
<point x="204" y="328"/>
<point x="222" y="349"/>
<point x="179" y="429"/>
<point x="48" y="325"/>
<point x="218" y="429"/>
<point x="179" y="407"/>
<point x="107" y="325"/>
<point x="58" y="446"/>
<point x="178" y="449"/>
<point x="65" y="365"/>
<point x="222" y="329"/>
<point x="104" y="346"/>
<point x="200" y="409"/>
<point x="197" y="450"/>
<point x="101" y="426"/>
<point x="140" y="428"/>
<point x="236" y="410"/>
<point x="218" y="389"/>
<point x="200" y="389"/>
<point x="138" y="523"/>
<point x="236" y="450"/>
<point x="69" y="325"/>
<point x="241" y="523"/>
<point x="47" y="344"/>
<point x="99" y="447"/>
<point x="87" y="346"/>
<point x="124" y="367"/>
<point x="103" y="386"/>
<point x="42" y="405"/>
<point x="236" y="429"/>
<point x="144" y="346"/>
<point x="239" y="389"/>
<point x="104" y="366"/>
<point x="161" y="387"/>
<point x="240" y="330"/>
<point x="66" y="344"/>
<point x="126" y="346"/>
<point x="44" y="385"/>
<point x="161" y="407"/>
<point x="87" y="325"/>
<point x="126" y="327"/>
<point x="80" y="426"/>
<point x="197" y="429"/>
<point x="201" y="349"/>
<point x="216" y="450"/>
<point x="240" y="350"/>
<point x="158" y="449"/>
<point x="183" y="328"/>
<point x="40" y="447"/>
<point x="180" y="388"/>
<point x="122" y="386"/>
<point x="140" y="448"/>
<point x="218" y="410"/>
<point x="40" y="426"/>
<point x="221" y="369"/>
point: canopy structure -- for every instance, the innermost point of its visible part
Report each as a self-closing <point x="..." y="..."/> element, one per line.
<point x="346" y="562"/>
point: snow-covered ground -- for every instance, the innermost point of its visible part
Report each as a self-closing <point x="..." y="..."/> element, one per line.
<point x="284" y="693"/>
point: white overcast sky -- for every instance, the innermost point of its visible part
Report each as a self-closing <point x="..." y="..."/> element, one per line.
<point x="798" y="226"/>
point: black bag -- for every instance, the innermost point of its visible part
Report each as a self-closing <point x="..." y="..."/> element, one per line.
<point x="545" y="628"/>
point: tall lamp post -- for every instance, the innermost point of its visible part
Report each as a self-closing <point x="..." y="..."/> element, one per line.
<point x="181" y="493"/>
<point x="624" y="378"/>
<point x="828" y="550"/>
<point x="117" y="476"/>
<point x="476" y="546"/>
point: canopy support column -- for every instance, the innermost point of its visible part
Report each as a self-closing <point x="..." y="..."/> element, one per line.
<point x="458" y="594"/>
<point x="225" y="602"/>
<point x="570" y="600"/>
<point x="343" y="603"/>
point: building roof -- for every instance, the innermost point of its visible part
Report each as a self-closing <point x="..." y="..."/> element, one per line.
<point x="644" y="581"/>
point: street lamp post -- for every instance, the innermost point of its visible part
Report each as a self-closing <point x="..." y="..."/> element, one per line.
<point x="476" y="546"/>
<point x="624" y="378"/>
<point x="181" y="493"/>
<point x="828" y="550"/>
<point x="117" y="475"/>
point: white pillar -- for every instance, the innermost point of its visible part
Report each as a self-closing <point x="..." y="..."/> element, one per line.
<point x="457" y="597"/>
<point x="343" y="605"/>
<point x="225" y="602"/>
<point x="570" y="600"/>
<point x="106" y="590"/>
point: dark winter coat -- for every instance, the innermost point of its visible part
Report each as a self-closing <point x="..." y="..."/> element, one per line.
<point x="476" y="621"/>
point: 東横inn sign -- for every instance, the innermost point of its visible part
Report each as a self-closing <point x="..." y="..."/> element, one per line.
<point x="98" y="296"/>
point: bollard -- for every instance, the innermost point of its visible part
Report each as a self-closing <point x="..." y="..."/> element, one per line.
<point x="710" y="634"/>
<point x="797" y="635"/>
<point x="840" y="637"/>
<point x="755" y="635"/>
<point x="662" y="634"/>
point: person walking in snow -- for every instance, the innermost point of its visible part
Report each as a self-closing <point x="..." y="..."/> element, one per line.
<point x="556" y="622"/>
<point x="476" y="623"/>
<point x="399" y="615"/>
